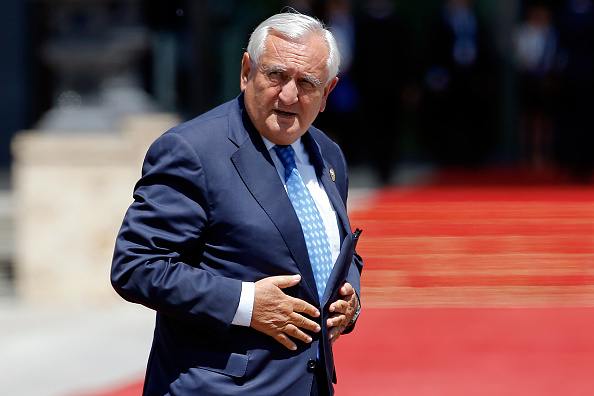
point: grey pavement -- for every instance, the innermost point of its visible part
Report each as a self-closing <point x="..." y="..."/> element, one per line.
<point x="69" y="351"/>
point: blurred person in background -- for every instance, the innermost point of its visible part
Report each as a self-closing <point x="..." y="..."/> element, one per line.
<point x="535" y="42"/>
<point x="249" y="301"/>
<point x="457" y="109"/>
<point x="575" y="132"/>
<point x="340" y="118"/>
<point x="382" y="72"/>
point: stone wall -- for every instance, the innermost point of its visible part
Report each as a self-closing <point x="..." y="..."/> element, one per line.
<point x="70" y="193"/>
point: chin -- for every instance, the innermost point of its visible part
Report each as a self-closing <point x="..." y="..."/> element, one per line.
<point x="281" y="131"/>
<point x="284" y="138"/>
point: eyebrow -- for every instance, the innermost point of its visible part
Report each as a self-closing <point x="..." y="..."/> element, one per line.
<point x="311" y="79"/>
<point x="269" y="69"/>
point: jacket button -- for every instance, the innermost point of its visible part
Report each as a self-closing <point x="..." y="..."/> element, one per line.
<point x="311" y="365"/>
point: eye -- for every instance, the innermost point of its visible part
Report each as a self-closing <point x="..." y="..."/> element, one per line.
<point x="275" y="77"/>
<point x="307" y="85"/>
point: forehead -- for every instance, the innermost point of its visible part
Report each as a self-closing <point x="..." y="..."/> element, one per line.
<point x="308" y="55"/>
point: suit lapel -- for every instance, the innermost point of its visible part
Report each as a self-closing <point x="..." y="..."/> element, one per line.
<point x="254" y="165"/>
<point x="323" y="171"/>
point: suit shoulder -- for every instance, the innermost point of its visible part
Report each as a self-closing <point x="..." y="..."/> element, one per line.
<point x="330" y="149"/>
<point x="209" y="127"/>
<point x="323" y="140"/>
<point x="213" y="118"/>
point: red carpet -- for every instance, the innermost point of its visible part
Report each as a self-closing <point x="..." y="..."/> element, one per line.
<point x="478" y="246"/>
<point x="468" y="352"/>
<point x="472" y="290"/>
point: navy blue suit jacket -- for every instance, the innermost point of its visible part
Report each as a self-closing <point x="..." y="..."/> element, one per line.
<point x="209" y="212"/>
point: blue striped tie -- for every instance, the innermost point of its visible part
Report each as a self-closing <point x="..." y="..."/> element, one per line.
<point x="314" y="231"/>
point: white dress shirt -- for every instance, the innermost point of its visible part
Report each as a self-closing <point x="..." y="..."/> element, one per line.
<point x="243" y="315"/>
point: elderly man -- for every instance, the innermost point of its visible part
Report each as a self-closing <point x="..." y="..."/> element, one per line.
<point x="238" y="235"/>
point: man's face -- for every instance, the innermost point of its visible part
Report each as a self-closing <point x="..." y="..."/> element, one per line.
<point x="287" y="89"/>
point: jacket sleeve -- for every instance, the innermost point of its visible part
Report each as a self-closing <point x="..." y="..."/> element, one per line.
<point x="157" y="254"/>
<point x="354" y="278"/>
<point x="356" y="267"/>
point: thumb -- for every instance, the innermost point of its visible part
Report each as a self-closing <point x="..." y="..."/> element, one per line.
<point x="284" y="281"/>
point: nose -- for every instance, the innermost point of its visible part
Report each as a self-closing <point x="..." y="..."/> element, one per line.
<point x="289" y="92"/>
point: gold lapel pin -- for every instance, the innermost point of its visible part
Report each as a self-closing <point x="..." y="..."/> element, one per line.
<point x="332" y="174"/>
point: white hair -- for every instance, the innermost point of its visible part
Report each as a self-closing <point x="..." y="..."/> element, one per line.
<point x="294" y="26"/>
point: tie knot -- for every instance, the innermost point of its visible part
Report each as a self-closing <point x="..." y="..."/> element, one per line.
<point x="286" y="154"/>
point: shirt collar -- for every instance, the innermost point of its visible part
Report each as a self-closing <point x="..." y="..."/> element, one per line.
<point x="301" y="156"/>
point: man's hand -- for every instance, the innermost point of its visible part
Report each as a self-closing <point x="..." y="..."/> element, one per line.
<point x="343" y="311"/>
<point x="278" y="315"/>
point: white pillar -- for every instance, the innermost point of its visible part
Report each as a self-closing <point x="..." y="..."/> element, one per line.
<point x="70" y="193"/>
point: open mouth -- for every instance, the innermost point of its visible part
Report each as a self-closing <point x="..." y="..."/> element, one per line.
<point x="285" y="113"/>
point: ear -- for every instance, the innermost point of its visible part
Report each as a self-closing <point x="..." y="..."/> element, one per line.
<point x="329" y="87"/>
<point x="246" y="69"/>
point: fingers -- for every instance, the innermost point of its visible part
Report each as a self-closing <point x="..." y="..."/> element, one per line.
<point x="347" y="289"/>
<point x="343" y="311"/>
<point x="284" y="281"/>
<point x="279" y="315"/>
<point x="304" y="323"/>
<point x="349" y="299"/>
<point x="339" y="306"/>
<point x="294" y="332"/>
<point x="334" y="333"/>
<point x="337" y="320"/>
<point x="286" y="341"/>
<point x="336" y="325"/>
<point x="298" y="334"/>
<point x="287" y="333"/>
<point x="305" y="307"/>
<point x="292" y="329"/>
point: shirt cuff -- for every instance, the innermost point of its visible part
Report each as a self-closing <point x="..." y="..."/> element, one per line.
<point x="243" y="315"/>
